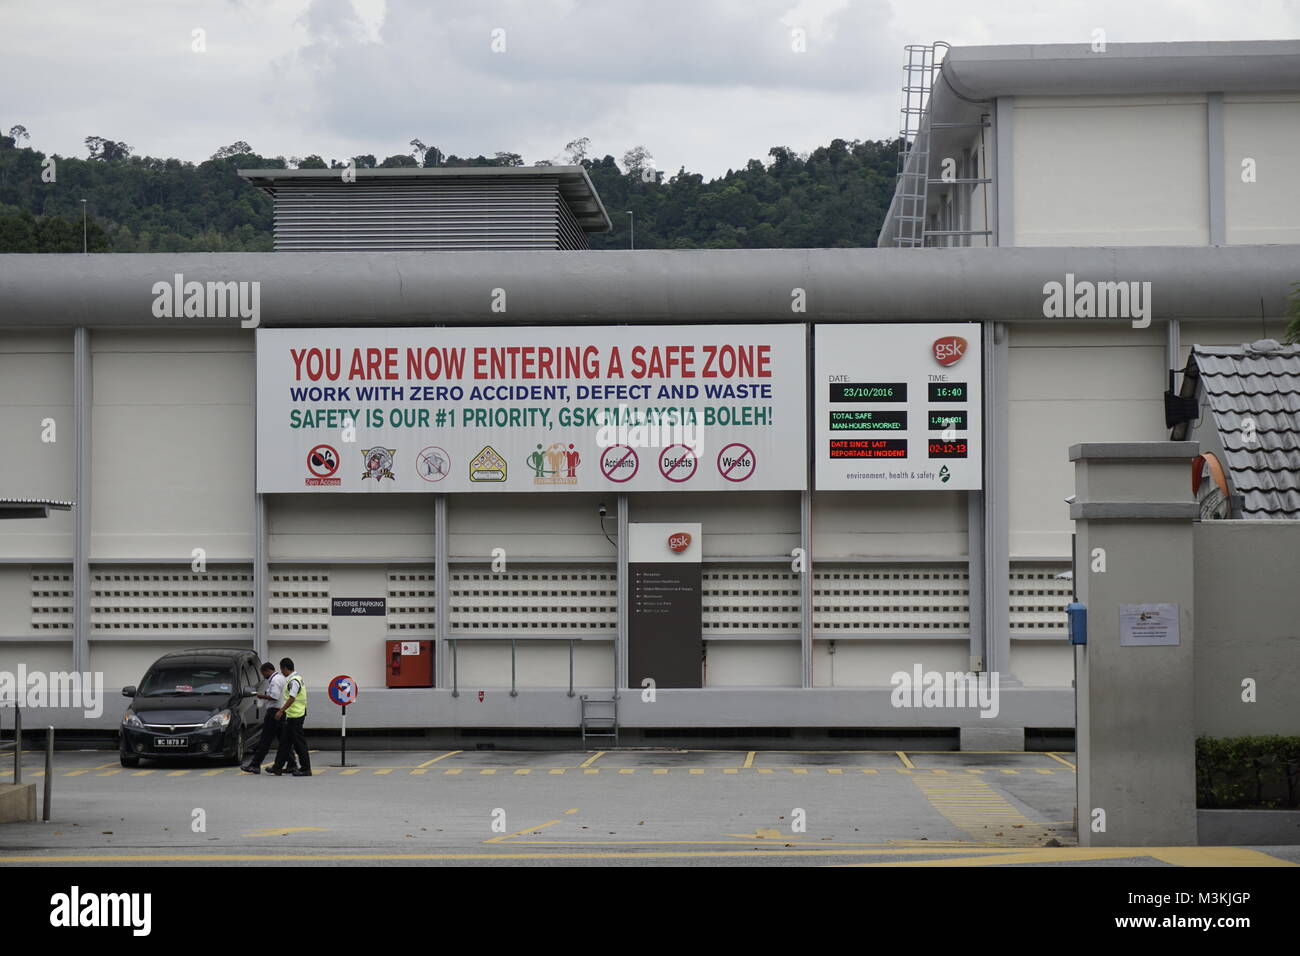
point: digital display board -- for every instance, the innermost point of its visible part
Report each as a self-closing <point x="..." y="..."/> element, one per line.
<point x="898" y="406"/>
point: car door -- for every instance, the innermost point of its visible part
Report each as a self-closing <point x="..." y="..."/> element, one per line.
<point x="250" y="711"/>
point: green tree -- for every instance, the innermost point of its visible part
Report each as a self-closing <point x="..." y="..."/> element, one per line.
<point x="1293" y="328"/>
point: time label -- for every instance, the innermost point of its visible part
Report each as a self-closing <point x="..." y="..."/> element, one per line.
<point x="948" y="392"/>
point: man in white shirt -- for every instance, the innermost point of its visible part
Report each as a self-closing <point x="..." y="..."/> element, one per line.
<point x="272" y="729"/>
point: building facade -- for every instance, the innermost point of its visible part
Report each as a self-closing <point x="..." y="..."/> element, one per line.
<point x="1115" y="172"/>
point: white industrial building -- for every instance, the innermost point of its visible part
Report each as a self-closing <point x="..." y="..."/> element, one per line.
<point x="1169" y="166"/>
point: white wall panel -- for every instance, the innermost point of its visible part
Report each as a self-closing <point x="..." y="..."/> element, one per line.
<point x="388" y="526"/>
<point x="1265" y="129"/>
<point x="1100" y="171"/>
<point x="486" y="665"/>
<point x="1062" y="390"/>
<point x="849" y="524"/>
<point x="36" y="384"/>
<point x="172" y="445"/>
<point x="871" y="663"/>
<point x="529" y="526"/>
<point x="1043" y="663"/>
<point x="752" y="664"/>
<point x="45" y="658"/>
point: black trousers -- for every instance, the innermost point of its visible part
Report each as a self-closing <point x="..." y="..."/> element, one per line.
<point x="272" y="735"/>
<point x="293" y="742"/>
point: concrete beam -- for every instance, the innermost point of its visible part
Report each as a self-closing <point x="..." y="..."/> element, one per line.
<point x="1234" y="283"/>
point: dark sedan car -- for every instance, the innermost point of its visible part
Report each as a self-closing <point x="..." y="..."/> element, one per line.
<point x="194" y="703"/>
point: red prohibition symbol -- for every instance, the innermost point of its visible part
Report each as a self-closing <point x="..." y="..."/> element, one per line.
<point x="676" y="464"/>
<point x="736" y="462"/>
<point x="619" y="463"/>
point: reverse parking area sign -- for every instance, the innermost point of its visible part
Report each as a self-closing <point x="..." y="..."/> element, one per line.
<point x="343" y="690"/>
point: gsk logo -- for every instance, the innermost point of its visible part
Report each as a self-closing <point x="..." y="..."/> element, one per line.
<point x="949" y="350"/>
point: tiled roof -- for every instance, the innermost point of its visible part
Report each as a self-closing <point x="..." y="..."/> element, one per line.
<point x="1260" y="382"/>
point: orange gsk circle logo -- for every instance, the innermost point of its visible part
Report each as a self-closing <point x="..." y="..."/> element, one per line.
<point x="679" y="542"/>
<point x="949" y="350"/>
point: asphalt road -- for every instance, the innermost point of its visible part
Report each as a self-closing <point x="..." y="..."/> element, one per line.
<point x="557" y="808"/>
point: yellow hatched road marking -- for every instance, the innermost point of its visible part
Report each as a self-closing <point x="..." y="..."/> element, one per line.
<point x="177" y="773"/>
<point x="109" y="773"/>
<point x="210" y="773"/>
<point x="972" y="805"/>
<point x="418" y="770"/>
<point x="430" y="763"/>
<point x="627" y="770"/>
<point x="386" y="770"/>
<point x="591" y="770"/>
<point x="903" y="757"/>
<point x="506" y="836"/>
<point x="870" y="770"/>
<point x="592" y="759"/>
<point x="694" y="770"/>
<point x="351" y="771"/>
<point x="1059" y="759"/>
<point x="451" y="772"/>
<point x="749" y="760"/>
<point x="765" y="770"/>
<point x="558" y="770"/>
<point x="800" y="770"/>
<point x="142" y="773"/>
<point x="76" y="773"/>
<point x="660" y="770"/>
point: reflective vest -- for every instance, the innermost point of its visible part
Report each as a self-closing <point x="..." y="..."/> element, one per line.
<point x="299" y="706"/>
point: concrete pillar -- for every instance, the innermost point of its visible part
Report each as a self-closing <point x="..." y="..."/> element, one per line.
<point x="1133" y="513"/>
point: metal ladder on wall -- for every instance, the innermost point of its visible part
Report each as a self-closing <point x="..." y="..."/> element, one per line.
<point x="599" y="718"/>
<point x="913" y="186"/>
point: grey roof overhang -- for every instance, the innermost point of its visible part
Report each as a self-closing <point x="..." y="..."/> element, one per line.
<point x="574" y="183"/>
<point x="31" y="507"/>
<point x="1073" y="69"/>
<point x="972" y="77"/>
<point x="841" y="285"/>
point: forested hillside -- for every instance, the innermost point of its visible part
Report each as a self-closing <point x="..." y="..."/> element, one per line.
<point x="836" y="195"/>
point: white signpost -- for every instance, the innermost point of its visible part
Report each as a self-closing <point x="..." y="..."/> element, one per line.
<point x="662" y="408"/>
<point x="898" y="407"/>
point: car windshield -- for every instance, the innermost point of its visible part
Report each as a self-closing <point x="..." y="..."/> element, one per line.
<point x="186" y="681"/>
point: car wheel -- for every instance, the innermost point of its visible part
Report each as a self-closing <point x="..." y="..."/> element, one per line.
<point x="129" y="760"/>
<point x="239" y="747"/>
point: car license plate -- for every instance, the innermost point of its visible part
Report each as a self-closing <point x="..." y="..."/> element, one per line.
<point x="172" y="741"/>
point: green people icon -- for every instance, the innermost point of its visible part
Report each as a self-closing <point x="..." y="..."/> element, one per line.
<point x="536" y="461"/>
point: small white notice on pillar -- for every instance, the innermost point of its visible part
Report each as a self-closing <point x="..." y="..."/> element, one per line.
<point x="1146" y="625"/>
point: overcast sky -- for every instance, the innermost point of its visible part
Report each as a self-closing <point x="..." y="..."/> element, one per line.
<point x="705" y="84"/>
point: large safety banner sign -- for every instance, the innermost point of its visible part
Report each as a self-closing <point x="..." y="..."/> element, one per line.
<point x="663" y="408"/>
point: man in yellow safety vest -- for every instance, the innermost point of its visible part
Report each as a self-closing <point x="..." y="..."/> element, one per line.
<point x="293" y="711"/>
